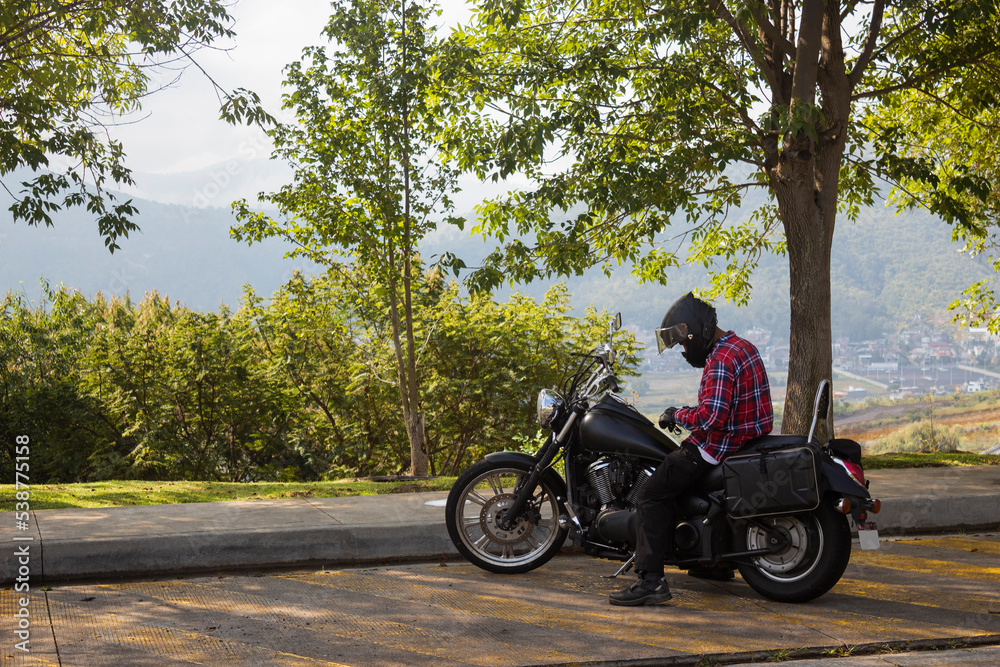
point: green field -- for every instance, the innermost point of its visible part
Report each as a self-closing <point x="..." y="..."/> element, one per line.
<point x="129" y="493"/>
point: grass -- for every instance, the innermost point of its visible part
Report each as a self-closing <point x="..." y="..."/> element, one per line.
<point x="128" y="493"/>
<point x="927" y="460"/>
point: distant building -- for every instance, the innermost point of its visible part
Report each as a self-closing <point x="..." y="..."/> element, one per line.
<point x="759" y="337"/>
<point x="983" y="334"/>
<point x="884" y="366"/>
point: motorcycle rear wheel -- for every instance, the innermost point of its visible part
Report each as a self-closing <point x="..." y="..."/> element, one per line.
<point x="476" y="502"/>
<point x="817" y="553"/>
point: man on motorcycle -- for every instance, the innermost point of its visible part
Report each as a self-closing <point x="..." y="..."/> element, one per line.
<point x="734" y="407"/>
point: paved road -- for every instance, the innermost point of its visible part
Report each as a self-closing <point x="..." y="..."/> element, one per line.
<point x="451" y="613"/>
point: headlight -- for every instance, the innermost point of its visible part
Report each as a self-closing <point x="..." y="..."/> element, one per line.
<point x="548" y="401"/>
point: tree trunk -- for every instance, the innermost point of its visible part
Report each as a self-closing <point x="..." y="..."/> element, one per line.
<point x="418" y="446"/>
<point x="806" y="184"/>
<point x="810" y="357"/>
<point x="415" y="417"/>
<point x="409" y="388"/>
<point x="804" y="174"/>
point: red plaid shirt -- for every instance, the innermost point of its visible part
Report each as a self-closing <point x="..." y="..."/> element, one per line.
<point x="734" y="400"/>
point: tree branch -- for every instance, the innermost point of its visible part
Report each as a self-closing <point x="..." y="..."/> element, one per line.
<point x="746" y="38"/>
<point x="807" y="51"/>
<point x="772" y="31"/>
<point x="874" y="28"/>
<point x="916" y="81"/>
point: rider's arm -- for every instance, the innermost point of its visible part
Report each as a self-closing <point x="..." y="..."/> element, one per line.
<point x="715" y="399"/>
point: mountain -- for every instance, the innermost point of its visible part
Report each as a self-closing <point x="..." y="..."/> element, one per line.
<point x="887" y="269"/>
<point x="184" y="253"/>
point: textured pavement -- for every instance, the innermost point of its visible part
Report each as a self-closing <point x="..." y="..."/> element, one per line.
<point x="912" y="592"/>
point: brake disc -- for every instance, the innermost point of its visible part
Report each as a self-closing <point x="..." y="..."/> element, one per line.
<point x="494" y="510"/>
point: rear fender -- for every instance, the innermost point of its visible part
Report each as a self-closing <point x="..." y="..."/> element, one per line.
<point x="550" y="476"/>
<point x="838" y="481"/>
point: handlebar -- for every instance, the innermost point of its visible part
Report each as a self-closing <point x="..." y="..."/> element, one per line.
<point x="602" y="378"/>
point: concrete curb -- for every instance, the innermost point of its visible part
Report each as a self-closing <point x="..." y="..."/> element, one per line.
<point x="251" y="549"/>
<point x="205" y="537"/>
<point x="937" y="499"/>
<point x="924" y="515"/>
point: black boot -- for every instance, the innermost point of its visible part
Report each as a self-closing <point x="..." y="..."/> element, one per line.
<point x="648" y="589"/>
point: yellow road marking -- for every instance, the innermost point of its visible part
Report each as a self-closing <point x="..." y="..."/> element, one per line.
<point x="712" y="599"/>
<point x="718" y="600"/>
<point x="959" y="543"/>
<point x="625" y="624"/>
<point x="938" y="568"/>
<point x="545" y="600"/>
<point x="28" y="659"/>
<point x="923" y="597"/>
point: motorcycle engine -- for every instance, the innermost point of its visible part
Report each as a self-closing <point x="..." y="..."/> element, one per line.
<point x="616" y="481"/>
<point x="610" y="494"/>
<point x="612" y="488"/>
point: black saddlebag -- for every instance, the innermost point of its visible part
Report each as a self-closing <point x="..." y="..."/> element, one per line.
<point x="771" y="481"/>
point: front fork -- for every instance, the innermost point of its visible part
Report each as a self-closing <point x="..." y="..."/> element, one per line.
<point x="526" y="487"/>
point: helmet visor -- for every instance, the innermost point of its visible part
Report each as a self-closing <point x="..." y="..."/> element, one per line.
<point x="670" y="336"/>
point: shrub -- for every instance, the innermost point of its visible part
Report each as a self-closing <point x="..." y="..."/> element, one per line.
<point x="924" y="436"/>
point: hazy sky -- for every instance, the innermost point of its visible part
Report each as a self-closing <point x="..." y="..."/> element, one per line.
<point x="179" y="128"/>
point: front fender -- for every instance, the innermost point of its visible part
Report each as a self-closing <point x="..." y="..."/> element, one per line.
<point x="550" y="476"/>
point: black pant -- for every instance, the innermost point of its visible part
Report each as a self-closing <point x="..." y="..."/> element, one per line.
<point x="679" y="471"/>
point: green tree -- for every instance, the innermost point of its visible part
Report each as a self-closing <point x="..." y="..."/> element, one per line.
<point x="42" y="361"/>
<point x="217" y="417"/>
<point x="952" y="135"/>
<point x="66" y="68"/>
<point x="482" y="363"/>
<point x="367" y="181"/>
<point x="488" y="361"/>
<point x="301" y="387"/>
<point x="327" y="337"/>
<point x="629" y="118"/>
<point x="124" y="362"/>
<point x="110" y="389"/>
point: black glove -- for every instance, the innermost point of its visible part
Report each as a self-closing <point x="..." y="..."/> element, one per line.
<point x="667" y="419"/>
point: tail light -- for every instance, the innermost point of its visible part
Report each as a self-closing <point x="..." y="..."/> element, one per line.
<point x="856" y="472"/>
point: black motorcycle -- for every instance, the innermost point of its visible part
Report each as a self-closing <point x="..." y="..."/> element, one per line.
<point x="777" y="510"/>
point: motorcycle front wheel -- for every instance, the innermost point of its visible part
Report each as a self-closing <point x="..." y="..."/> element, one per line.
<point x="477" y="502"/>
<point x="816" y="552"/>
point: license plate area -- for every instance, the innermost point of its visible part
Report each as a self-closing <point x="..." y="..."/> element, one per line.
<point x="868" y="536"/>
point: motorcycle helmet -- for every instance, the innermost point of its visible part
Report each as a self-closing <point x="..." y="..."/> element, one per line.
<point x="693" y="322"/>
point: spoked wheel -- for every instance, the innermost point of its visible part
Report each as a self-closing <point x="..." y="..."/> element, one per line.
<point x="476" y="507"/>
<point x="817" y="548"/>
